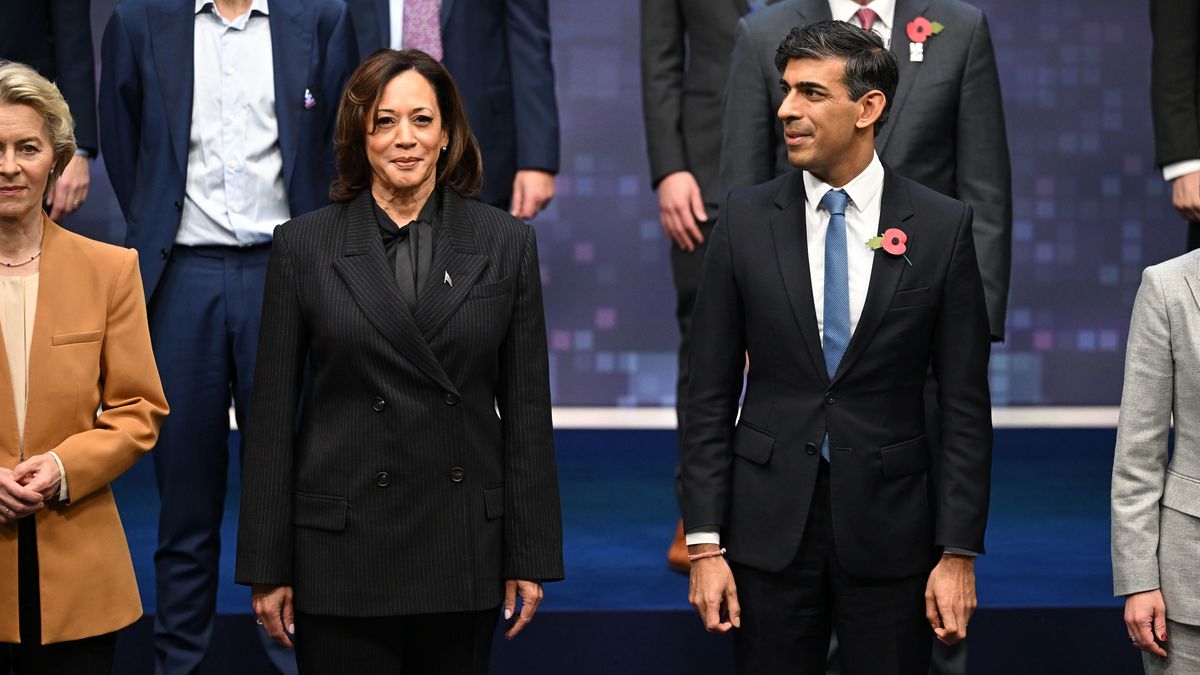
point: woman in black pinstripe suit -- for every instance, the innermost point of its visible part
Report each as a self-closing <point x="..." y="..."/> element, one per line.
<point x="383" y="531"/>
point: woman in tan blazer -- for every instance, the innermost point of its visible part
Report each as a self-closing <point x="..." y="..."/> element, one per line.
<point x="75" y="342"/>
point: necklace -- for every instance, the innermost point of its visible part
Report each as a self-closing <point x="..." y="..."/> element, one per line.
<point x="35" y="256"/>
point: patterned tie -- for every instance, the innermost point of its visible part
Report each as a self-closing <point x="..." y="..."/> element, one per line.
<point x="423" y="27"/>
<point x="866" y="17"/>
<point x="837" y="289"/>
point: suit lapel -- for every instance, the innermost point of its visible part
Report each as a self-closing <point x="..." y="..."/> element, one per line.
<point x="906" y="11"/>
<point x="382" y="27"/>
<point x="447" y="7"/>
<point x="291" y="50"/>
<point x="172" y="36"/>
<point x="789" y="232"/>
<point x="813" y="11"/>
<point x="886" y="272"/>
<point x="1193" y="281"/>
<point x="455" y="257"/>
<point x="54" y="284"/>
<point x="364" y="269"/>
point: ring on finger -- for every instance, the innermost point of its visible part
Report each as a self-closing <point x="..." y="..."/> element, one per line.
<point x="1133" y="639"/>
<point x="258" y="621"/>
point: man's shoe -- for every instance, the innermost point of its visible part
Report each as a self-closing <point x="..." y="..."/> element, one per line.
<point x="677" y="555"/>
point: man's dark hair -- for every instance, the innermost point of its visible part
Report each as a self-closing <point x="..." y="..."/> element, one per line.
<point x="869" y="65"/>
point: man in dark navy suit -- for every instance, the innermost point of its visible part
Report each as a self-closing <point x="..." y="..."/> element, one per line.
<point x="499" y="54"/>
<point x="217" y="124"/>
<point x="846" y="284"/>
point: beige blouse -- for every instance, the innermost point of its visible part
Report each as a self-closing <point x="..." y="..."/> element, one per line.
<point x="18" y="304"/>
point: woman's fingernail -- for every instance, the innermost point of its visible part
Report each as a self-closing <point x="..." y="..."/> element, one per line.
<point x="507" y="614"/>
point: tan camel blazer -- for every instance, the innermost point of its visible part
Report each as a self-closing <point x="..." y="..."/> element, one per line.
<point x="90" y="349"/>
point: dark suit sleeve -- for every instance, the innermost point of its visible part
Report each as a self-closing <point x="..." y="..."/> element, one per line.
<point x="264" y="550"/>
<point x="1174" y="78"/>
<point x="341" y="58"/>
<point x="120" y="109"/>
<point x="960" y="363"/>
<point x="532" y="514"/>
<point x="662" y="86"/>
<point x="984" y="176"/>
<point x="71" y="34"/>
<point x="748" y="127"/>
<point x="535" y="107"/>
<point x="716" y="366"/>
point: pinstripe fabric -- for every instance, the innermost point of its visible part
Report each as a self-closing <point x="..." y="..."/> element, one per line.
<point x="358" y="508"/>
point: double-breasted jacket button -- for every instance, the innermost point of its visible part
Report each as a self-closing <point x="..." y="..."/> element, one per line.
<point x="165" y="253"/>
<point x="830" y="398"/>
<point x="450" y="398"/>
<point x="457" y="474"/>
<point x="810" y="448"/>
<point x="383" y="479"/>
<point x="378" y="404"/>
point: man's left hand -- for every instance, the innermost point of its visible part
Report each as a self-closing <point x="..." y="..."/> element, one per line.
<point x="532" y="191"/>
<point x="950" y="597"/>
<point x="70" y="190"/>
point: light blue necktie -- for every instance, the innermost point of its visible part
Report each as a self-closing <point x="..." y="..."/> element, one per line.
<point x="837" y="289"/>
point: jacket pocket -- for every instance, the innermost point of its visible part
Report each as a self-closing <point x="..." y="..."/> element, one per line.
<point x="1182" y="493"/>
<point x="753" y="445"/>
<point x="901" y="459"/>
<point x="319" y="512"/>
<point x="76" y="338"/>
<point x="913" y="297"/>
<point x="490" y="289"/>
<point x="493" y="501"/>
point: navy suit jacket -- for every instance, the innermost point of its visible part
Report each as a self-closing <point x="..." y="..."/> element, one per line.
<point x="896" y="498"/>
<point x="146" y="110"/>
<point x="499" y="55"/>
<point x="54" y="37"/>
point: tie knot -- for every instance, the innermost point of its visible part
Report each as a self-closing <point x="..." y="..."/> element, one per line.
<point x="864" y="3"/>
<point x="835" y="202"/>
<point x="866" y="18"/>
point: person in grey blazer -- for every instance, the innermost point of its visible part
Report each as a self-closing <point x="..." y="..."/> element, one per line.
<point x="415" y="492"/>
<point x="685" y="62"/>
<point x="1156" y="493"/>
<point x="946" y="130"/>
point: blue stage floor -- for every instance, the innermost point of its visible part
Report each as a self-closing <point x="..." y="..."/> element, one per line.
<point x="1048" y="541"/>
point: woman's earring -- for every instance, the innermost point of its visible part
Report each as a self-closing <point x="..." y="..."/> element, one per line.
<point x="444" y="148"/>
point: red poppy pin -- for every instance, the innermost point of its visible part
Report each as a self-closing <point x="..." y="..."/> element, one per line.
<point x="893" y="241"/>
<point x="919" y="30"/>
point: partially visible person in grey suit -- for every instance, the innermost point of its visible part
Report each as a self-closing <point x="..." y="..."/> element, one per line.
<point x="418" y="493"/>
<point x="1156" y="494"/>
<point x="685" y="62"/>
<point x="946" y="129"/>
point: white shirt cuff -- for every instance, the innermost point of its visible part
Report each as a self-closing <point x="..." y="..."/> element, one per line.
<point x="62" y="482"/>
<point x="1173" y="171"/>
<point x="703" y="535"/>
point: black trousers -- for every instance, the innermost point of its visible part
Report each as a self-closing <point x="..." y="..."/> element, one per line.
<point x="787" y="617"/>
<point x="456" y="643"/>
<point x="89" y="656"/>
<point x="1193" y="236"/>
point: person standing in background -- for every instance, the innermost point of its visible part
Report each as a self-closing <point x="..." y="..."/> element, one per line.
<point x="217" y="125"/>
<point x="1174" y="102"/>
<point x="54" y="37"/>
<point x="685" y="62"/>
<point x="499" y="55"/>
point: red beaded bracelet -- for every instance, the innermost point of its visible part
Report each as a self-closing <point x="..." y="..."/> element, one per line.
<point x="706" y="554"/>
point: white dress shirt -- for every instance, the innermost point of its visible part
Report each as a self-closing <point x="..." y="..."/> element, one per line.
<point x="846" y="10"/>
<point x="1173" y="171"/>
<point x="234" y="194"/>
<point x="396" y="21"/>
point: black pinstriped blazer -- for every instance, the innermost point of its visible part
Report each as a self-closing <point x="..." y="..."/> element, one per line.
<point x="401" y="491"/>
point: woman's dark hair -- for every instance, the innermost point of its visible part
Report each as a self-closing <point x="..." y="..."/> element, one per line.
<point x="460" y="167"/>
<point x="869" y="65"/>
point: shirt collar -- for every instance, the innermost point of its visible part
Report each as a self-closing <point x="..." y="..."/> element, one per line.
<point x="260" y="6"/>
<point x="844" y="10"/>
<point x="863" y="190"/>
